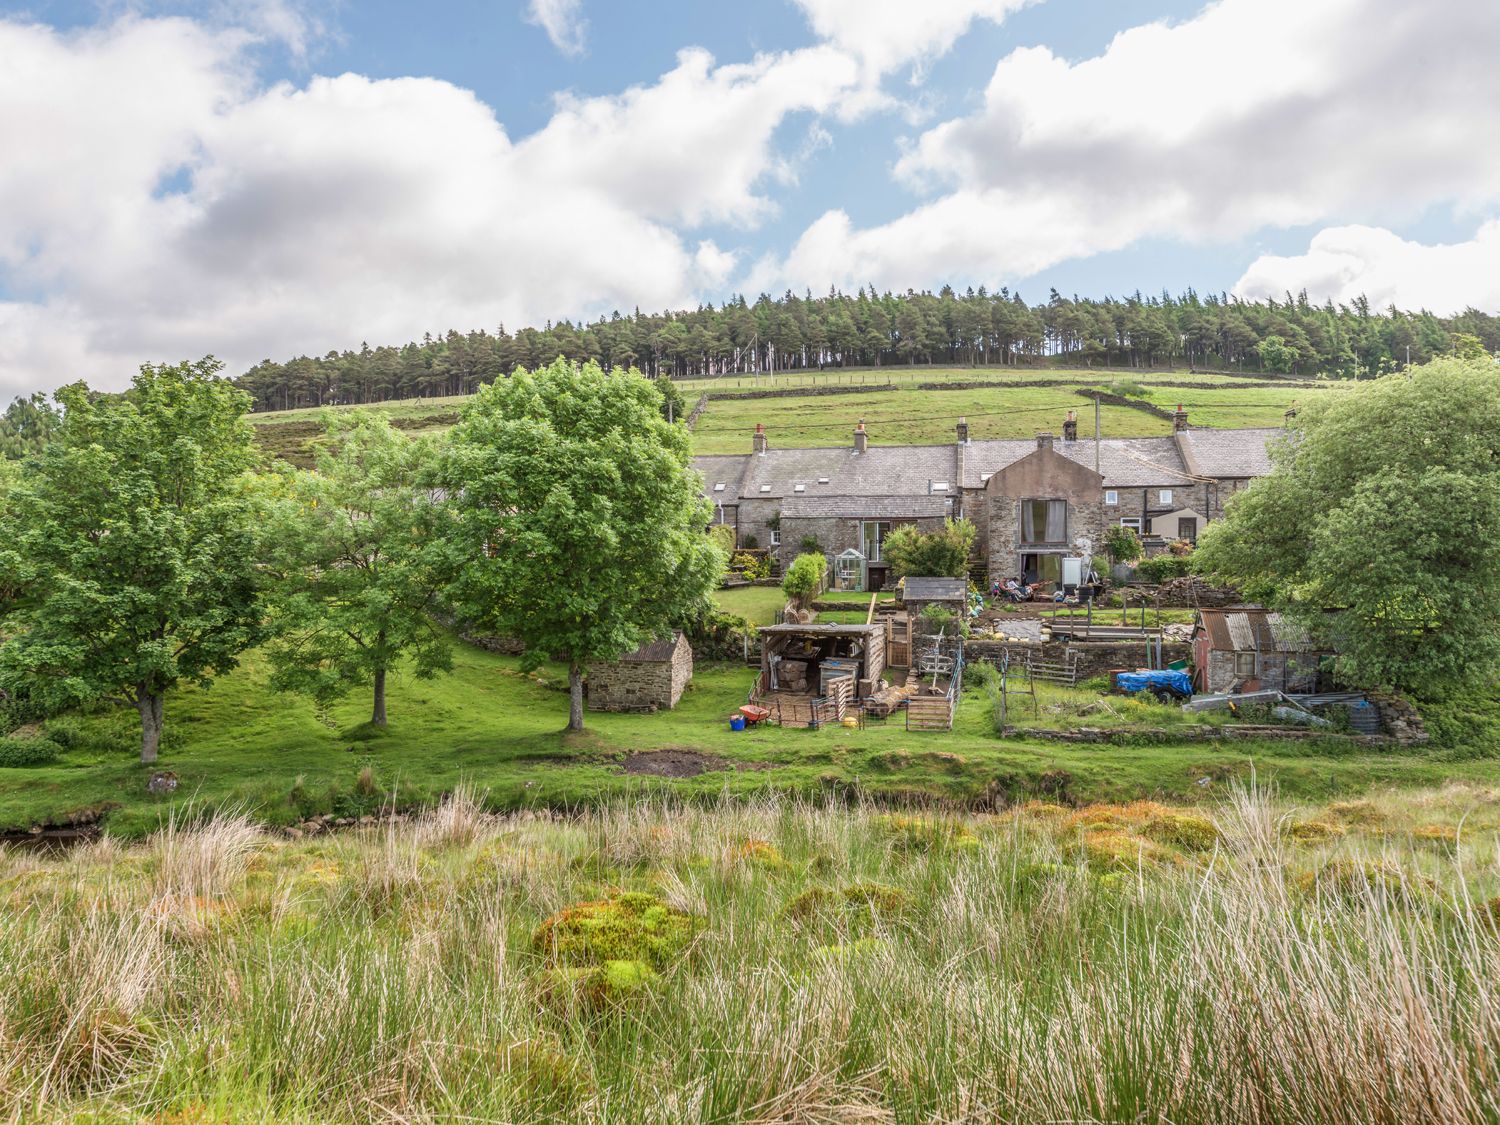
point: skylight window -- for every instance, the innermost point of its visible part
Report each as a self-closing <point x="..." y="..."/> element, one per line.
<point x="719" y="487"/>
<point x="799" y="488"/>
<point x="822" y="480"/>
<point x="765" y="488"/>
<point x="940" y="486"/>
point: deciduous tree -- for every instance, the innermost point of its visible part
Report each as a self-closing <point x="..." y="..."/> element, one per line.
<point x="363" y="552"/>
<point x="1379" y="529"/>
<point x="138" y="529"/>
<point x="582" y="521"/>
<point x="930" y="554"/>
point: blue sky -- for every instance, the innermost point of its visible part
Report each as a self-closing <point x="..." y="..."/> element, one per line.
<point x="261" y="178"/>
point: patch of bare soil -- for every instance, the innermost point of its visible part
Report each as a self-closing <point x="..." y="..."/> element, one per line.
<point x="683" y="763"/>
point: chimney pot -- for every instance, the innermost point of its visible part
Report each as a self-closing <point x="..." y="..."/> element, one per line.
<point x="1070" y="426"/>
<point x="963" y="431"/>
<point x="861" y="439"/>
<point x="759" y="440"/>
<point x="1179" y="419"/>
<point x="1044" y="441"/>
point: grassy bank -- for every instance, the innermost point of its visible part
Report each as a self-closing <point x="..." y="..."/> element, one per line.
<point x="771" y="961"/>
<point x="283" y="759"/>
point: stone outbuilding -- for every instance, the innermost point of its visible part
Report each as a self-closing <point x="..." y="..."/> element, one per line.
<point x="951" y="594"/>
<point x="651" y="678"/>
<point x="1247" y="648"/>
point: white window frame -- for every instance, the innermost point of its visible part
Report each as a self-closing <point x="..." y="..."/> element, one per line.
<point x="1164" y="496"/>
<point x="1132" y="522"/>
<point x="1111" y="496"/>
<point x="775" y="536"/>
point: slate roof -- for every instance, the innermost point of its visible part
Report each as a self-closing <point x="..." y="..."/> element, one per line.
<point x="653" y="652"/>
<point x="867" y="507"/>
<point x="1229" y="453"/>
<point x="1124" y="462"/>
<point x="934" y="590"/>
<point x="725" y="470"/>
<point x="882" y="470"/>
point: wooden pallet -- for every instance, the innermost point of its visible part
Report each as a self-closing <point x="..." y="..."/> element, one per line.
<point x="929" y="712"/>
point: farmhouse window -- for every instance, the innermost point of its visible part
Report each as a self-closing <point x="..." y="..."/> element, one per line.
<point x="1165" y="495"/>
<point x="1044" y="521"/>
<point x="776" y="536"/>
<point x="1187" y="528"/>
<point x="1244" y="664"/>
<point x="1132" y="522"/>
<point x="1111" y="497"/>
<point x="872" y="538"/>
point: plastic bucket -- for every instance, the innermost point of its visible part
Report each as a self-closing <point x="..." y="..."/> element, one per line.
<point x="736" y="722"/>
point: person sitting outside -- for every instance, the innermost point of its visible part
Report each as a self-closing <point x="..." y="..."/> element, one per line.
<point x="1017" y="592"/>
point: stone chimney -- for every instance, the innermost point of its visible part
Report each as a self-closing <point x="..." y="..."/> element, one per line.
<point x="963" y="431"/>
<point x="1044" y="441"/>
<point x="759" y="440"/>
<point x="861" y="439"/>
<point x="1070" y="426"/>
<point x="1179" y="419"/>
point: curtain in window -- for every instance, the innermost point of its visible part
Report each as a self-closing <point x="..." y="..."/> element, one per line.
<point x="1028" y="522"/>
<point x="1057" y="521"/>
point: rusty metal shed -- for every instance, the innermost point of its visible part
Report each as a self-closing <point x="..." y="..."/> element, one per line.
<point x="1250" y="648"/>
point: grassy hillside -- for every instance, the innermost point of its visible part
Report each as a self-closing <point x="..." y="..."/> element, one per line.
<point x="281" y="758"/>
<point x="1250" y="962"/>
<point x="1010" y="405"/>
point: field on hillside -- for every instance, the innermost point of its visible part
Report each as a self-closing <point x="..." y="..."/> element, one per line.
<point x="1253" y="961"/>
<point x="282" y="758"/>
<point x="1011" y="406"/>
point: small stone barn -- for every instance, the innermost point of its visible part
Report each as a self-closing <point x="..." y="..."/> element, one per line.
<point x="1247" y="648"/>
<point x="649" y="679"/>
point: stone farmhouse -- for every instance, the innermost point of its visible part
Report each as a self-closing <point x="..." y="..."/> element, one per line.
<point x="1033" y="502"/>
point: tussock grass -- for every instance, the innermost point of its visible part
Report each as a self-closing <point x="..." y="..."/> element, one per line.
<point x="767" y="960"/>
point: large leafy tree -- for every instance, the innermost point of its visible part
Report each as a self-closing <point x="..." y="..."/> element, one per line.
<point x="362" y="553"/>
<point x="583" y="523"/>
<point x="26" y="426"/>
<point x="1379" y="529"/>
<point x="135" y="531"/>
<point x="943" y="553"/>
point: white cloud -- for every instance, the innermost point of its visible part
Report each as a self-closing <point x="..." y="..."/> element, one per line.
<point x="1343" y="263"/>
<point x="156" y="205"/>
<point x="886" y="35"/>
<point x="1254" y="113"/>
<point x="563" y="22"/>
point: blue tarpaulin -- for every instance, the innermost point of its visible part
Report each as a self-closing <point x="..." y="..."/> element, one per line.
<point x="1179" y="683"/>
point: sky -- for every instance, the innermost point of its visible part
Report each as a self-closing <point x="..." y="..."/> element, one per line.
<point x="262" y="179"/>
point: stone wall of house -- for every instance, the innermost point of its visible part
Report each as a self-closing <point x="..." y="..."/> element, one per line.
<point x="640" y="685"/>
<point x="1275" y="671"/>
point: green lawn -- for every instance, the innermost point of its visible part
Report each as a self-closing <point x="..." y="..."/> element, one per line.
<point x="487" y="722"/>
<point x="760" y="605"/>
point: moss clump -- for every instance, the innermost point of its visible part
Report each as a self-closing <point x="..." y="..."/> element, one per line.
<point x="1187" y="832"/>
<point x="597" y="986"/>
<point x="1109" y="850"/>
<point x="925" y="834"/>
<point x="631" y="927"/>
<point x="849" y="906"/>
<point x="1363" y="813"/>
<point x="758" y="853"/>
<point x="1315" y="831"/>
<point x="845" y="951"/>
<point x="1354" y="879"/>
<point x="880" y="899"/>
<point x="1441" y="836"/>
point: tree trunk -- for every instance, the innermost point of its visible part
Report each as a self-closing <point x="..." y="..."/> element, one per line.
<point x="149" y="704"/>
<point x="575" y="697"/>
<point x="377" y="714"/>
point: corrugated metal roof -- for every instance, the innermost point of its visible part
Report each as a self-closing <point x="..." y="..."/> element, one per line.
<point x="1252" y="629"/>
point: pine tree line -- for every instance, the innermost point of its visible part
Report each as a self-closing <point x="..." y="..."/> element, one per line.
<point x="975" y="328"/>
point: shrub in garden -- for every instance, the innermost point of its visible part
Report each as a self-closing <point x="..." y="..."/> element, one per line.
<point x="1163" y="568"/>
